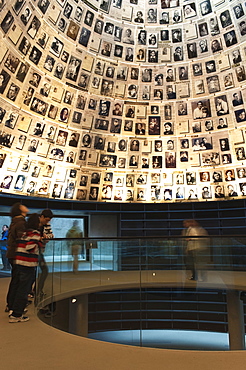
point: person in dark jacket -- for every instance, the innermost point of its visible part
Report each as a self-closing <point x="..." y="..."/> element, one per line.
<point x="26" y="261"/>
<point x="17" y="228"/>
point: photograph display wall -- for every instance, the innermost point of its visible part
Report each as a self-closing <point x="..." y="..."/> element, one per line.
<point x="123" y="100"/>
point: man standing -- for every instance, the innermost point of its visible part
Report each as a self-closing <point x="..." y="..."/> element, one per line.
<point x="75" y="233"/>
<point x="46" y="233"/>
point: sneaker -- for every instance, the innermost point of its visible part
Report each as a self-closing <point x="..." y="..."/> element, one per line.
<point x="18" y="319"/>
<point x="11" y="311"/>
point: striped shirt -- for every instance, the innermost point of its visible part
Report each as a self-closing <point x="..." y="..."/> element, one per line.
<point x="27" y="250"/>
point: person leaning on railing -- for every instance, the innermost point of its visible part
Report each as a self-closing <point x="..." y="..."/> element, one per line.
<point x="46" y="233"/>
<point x="17" y="228"/>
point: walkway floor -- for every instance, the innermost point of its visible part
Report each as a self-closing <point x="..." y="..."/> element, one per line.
<point x="35" y="345"/>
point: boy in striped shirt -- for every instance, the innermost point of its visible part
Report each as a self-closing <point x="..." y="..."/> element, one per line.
<point x="26" y="260"/>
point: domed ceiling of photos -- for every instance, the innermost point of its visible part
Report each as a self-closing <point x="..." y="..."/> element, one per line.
<point x="123" y="100"/>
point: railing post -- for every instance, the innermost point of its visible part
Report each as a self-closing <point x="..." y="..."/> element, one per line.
<point x="78" y="315"/>
<point x="235" y="315"/>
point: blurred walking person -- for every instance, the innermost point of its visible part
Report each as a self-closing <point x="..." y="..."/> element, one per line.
<point x="75" y="233"/>
<point x="197" y="249"/>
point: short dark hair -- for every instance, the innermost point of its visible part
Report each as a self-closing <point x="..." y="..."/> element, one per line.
<point x="33" y="221"/>
<point x="15" y="210"/>
<point x="47" y="213"/>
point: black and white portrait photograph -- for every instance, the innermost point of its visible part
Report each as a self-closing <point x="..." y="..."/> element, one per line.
<point x="73" y="68"/>
<point x="5" y="183"/>
<point x="35" y="55"/>
<point x="104" y="5"/>
<point x="21" y="73"/>
<point x="56" y="46"/>
<point x="202" y="143"/>
<point x="98" y="28"/>
<point x="221" y="105"/>
<point x="24" y="46"/>
<point x="210" y="66"/>
<point x="76" y="117"/>
<point x="7" y="21"/>
<point x="205" y="7"/>
<point x="189" y="10"/>
<point x="230" y="38"/>
<point x="38" y="129"/>
<point x="34" y="27"/>
<point x="99" y="142"/>
<point x="32" y="145"/>
<point x="50" y="133"/>
<point x="224" y="144"/>
<point x="49" y="63"/>
<point x="106" y="48"/>
<point x="93" y="194"/>
<point x="67" y="10"/>
<point x="225" y="19"/>
<point x="240" y="115"/>
<point x="42" y="39"/>
<point x="17" y="6"/>
<point x="11" y="120"/>
<point x="104" y="107"/>
<point x="57" y="154"/>
<point x="12" y="92"/>
<point x="213" y="84"/>
<point x="12" y="62"/>
<point x="201" y="109"/>
<point x="118" y="33"/>
<point x="89" y="16"/>
<point x="21" y="142"/>
<point x="86" y="141"/>
<point x="109" y="28"/>
<point x="39" y="106"/>
<point x="107" y="160"/>
<point x="62" y="24"/>
<point x="43" y="5"/>
<point x="117" y="3"/>
<point x="84" y="36"/>
<point x="80" y="103"/>
<point x="154" y="125"/>
<point x="78" y="14"/>
<point x="4" y="79"/>
<point x="31" y="186"/>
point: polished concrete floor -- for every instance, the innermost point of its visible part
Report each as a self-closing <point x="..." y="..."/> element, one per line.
<point x="35" y="345"/>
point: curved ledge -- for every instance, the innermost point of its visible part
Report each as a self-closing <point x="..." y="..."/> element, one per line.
<point x="98" y="281"/>
<point x="41" y="346"/>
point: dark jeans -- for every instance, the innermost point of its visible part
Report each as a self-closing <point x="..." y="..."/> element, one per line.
<point x="6" y="264"/>
<point x="13" y="285"/>
<point x="24" y="276"/>
<point x="44" y="273"/>
<point x="190" y="262"/>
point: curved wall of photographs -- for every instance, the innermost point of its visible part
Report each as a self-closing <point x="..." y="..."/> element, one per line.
<point x="123" y="100"/>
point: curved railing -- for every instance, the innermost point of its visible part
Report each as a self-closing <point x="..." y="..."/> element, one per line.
<point x="141" y="284"/>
